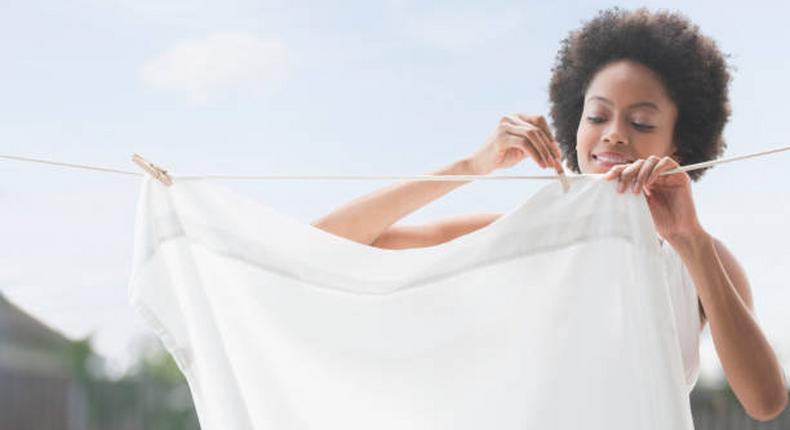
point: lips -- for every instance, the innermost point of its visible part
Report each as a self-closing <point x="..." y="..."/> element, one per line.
<point x="612" y="158"/>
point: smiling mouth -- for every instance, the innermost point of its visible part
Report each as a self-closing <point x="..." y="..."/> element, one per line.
<point x="610" y="161"/>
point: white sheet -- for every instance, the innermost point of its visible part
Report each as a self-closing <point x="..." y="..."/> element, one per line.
<point x="556" y="316"/>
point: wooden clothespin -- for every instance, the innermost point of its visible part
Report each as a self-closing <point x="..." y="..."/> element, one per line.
<point x="157" y="172"/>
<point x="563" y="179"/>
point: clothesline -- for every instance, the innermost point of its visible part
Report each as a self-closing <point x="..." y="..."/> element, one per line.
<point x="687" y="168"/>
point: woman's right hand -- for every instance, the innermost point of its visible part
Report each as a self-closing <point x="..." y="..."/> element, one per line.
<point x="517" y="136"/>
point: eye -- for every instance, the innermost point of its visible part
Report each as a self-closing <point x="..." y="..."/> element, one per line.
<point x="595" y="119"/>
<point x="643" y="126"/>
<point x="598" y="120"/>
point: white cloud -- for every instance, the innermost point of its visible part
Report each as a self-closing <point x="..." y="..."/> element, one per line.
<point x="219" y="64"/>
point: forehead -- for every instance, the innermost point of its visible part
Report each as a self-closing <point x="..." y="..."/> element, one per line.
<point x="626" y="82"/>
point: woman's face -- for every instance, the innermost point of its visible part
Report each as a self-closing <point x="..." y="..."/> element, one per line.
<point x="627" y="115"/>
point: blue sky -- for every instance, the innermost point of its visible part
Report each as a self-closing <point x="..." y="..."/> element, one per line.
<point x="276" y="87"/>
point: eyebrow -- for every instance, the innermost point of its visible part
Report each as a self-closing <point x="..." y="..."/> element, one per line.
<point x="637" y="104"/>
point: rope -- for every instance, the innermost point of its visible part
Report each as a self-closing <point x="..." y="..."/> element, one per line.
<point x="79" y="166"/>
<point x="364" y="177"/>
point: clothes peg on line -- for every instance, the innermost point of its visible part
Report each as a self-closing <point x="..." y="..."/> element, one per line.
<point x="563" y="180"/>
<point x="157" y="172"/>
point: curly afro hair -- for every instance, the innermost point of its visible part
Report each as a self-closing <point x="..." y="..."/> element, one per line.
<point x="690" y="65"/>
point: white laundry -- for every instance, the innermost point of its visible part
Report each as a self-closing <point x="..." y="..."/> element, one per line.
<point x="561" y="314"/>
<point x="685" y="304"/>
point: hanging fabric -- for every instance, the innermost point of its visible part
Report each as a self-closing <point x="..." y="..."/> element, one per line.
<point x="558" y="315"/>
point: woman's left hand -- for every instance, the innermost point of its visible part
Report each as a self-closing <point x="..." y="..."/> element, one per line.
<point x="668" y="196"/>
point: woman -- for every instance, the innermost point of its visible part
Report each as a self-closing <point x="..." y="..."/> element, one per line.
<point x="633" y="94"/>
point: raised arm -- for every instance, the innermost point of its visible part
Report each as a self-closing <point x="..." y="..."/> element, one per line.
<point x="433" y="233"/>
<point x="366" y="218"/>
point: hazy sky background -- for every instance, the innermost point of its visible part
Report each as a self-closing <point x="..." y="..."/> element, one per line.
<point x="276" y="87"/>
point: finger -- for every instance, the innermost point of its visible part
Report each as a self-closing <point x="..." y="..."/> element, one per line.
<point x="540" y="122"/>
<point x="664" y="164"/>
<point x="621" y="183"/>
<point x="534" y="138"/>
<point x="644" y="172"/>
<point x="520" y="131"/>
<point x="554" y="148"/>
<point x="513" y="119"/>
<point x="629" y="173"/>
<point x="547" y="148"/>
<point x="532" y="135"/>
<point x="536" y="120"/>
<point x="535" y="150"/>
<point x="614" y="172"/>
<point x="522" y="143"/>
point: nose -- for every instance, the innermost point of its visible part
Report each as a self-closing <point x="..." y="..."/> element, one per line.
<point x="615" y="133"/>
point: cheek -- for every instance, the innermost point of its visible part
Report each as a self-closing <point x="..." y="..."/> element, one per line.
<point x="585" y="140"/>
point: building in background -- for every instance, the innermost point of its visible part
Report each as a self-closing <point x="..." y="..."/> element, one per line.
<point x="38" y="390"/>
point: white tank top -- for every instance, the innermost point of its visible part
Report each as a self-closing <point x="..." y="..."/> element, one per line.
<point x="685" y="303"/>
